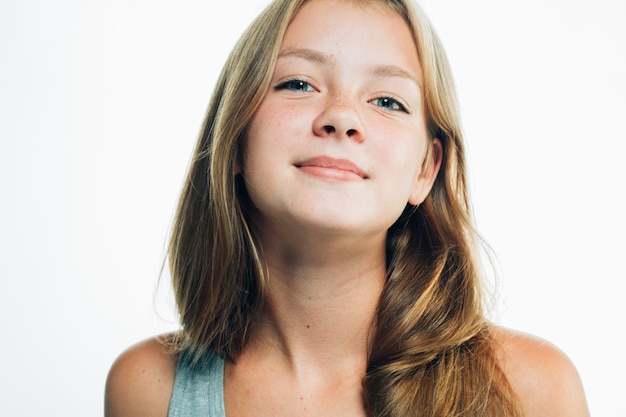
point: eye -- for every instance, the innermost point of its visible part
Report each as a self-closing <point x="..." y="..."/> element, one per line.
<point x="296" y="85"/>
<point x="389" y="103"/>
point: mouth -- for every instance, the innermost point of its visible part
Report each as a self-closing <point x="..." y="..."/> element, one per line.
<point x="332" y="168"/>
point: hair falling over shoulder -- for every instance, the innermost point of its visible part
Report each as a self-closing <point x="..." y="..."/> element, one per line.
<point x="432" y="353"/>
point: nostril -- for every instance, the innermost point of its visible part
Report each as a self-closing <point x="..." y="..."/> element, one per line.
<point x="351" y="132"/>
<point x="329" y="129"/>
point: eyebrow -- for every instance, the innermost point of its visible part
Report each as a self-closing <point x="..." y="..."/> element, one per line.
<point x="308" y="54"/>
<point x="325" y="59"/>
<point x="395" y="71"/>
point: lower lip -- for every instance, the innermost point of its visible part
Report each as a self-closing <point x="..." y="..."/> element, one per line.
<point x="330" y="173"/>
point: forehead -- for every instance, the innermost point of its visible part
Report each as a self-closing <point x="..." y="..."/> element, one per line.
<point x="344" y="29"/>
<point x="322" y="14"/>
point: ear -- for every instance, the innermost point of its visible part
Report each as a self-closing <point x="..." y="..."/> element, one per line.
<point x="426" y="178"/>
<point x="238" y="166"/>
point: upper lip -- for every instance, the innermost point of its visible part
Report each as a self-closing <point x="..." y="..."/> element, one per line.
<point x="329" y="162"/>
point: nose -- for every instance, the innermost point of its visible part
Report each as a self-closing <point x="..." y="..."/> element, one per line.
<point x="340" y="119"/>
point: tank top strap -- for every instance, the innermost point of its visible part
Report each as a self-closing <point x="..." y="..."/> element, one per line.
<point x="198" y="389"/>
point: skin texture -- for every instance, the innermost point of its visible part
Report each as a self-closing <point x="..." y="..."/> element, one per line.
<point x="542" y="376"/>
<point x="322" y="226"/>
<point x="141" y="380"/>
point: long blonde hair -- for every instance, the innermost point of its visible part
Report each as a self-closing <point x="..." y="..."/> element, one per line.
<point x="432" y="352"/>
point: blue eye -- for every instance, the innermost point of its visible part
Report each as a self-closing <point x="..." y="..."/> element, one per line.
<point x="295" y="85"/>
<point x="389" y="103"/>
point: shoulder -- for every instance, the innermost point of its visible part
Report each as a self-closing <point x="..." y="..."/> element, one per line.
<point x="542" y="376"/>
<point x="141" y="379"/>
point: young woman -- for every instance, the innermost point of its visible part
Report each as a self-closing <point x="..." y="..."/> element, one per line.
<point x="323" y="256"/>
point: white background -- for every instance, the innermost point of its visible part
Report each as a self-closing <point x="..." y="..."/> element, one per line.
<point x="100" y="106"/>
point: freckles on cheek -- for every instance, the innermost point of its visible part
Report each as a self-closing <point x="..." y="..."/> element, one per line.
<point x="272" y="121"/>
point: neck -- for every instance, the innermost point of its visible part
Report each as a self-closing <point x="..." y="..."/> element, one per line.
<point x="321" y="303"/>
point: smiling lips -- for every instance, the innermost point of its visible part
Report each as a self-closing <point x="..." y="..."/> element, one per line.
<point x="327" y="167"/>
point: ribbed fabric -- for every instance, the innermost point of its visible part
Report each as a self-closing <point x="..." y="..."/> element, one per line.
<point x="199" y="390"/>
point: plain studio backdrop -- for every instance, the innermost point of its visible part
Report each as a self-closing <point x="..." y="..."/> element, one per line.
<point x="100" y="106"/>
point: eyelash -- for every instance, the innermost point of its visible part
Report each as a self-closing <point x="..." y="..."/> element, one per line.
<point x="391" y="104"/>
<point x="296" y="84"/>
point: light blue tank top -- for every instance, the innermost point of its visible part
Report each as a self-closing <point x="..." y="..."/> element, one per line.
<point x="199" y="390"/>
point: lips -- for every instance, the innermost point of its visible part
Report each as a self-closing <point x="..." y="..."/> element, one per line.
<point x="325" y="166"/>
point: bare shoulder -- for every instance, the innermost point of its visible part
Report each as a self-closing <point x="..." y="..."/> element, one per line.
<point x="543" y="377"/>
<point x="140" y="381"/>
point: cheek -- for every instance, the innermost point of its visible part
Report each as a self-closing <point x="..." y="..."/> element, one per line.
<point x="279" y="114"/>
<point x="400" y="154"/>
<point x="274" y="129"/>
<point x="256" y="145"/>
<point x="402" y="161"/>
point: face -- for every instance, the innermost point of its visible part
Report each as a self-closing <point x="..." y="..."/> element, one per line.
<point x="338" y="144"/>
